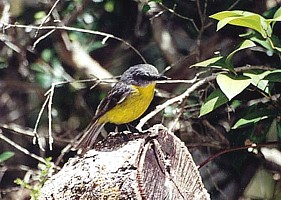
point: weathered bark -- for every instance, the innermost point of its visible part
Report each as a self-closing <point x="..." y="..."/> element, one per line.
<point x="151" y="165"/>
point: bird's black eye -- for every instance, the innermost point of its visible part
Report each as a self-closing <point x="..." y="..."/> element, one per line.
<point x="145" y="77"/>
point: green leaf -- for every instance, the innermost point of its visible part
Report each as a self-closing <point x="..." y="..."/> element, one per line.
<point x="47" y="55"/>
<point x="252" y="117"/>
<point x="235" y="104"/>
<point x="109" y="6"/>
<point x="44" y="80"/>
<point x="262" y="178"/>
<point x="277" y="14"/>
<point x="260" y="40"/>
<point x="274" y="43"/>
<point x="3" y="62"/>
<point x="244" y="19"/>
<point x="276" y="17"/>
<point x="222" y="23"/>
<point x="39" y="15"/>
<point x="226" y="14"/>
<point x="212" y="62"/>
<point x="169" y="111"/>
<point x="257" y="80"/>
<point x="213" y="101"/>
<point x="145" y="8"/>
<point x="6" y="155"/>
<point x="244" y="45"/>
<point x="232" y="86"/>
<point x="274" y="76"/>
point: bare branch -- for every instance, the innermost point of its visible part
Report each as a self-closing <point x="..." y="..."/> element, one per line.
<point x="67" y="28"/>
<point x="51" y="94"/>
<point x="42" y="38"/>
<point x="179" y="15"/>
<point x="36" y="136"/>
<point x="17" y="129"/>
<point x="20" y="148"/>
<point x="187" y="93"/>
<point x="47" y="16"/>
<point x="174" y="100"/>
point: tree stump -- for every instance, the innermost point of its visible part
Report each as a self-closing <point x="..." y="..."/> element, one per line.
<point x="152" y="165"/>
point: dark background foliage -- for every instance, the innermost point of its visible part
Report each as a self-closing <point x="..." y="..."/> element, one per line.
<point x="176" y="33"/>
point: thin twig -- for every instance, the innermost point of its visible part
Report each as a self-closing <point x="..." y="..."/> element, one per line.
<point x="67" y="148"/>
<point x="67" y="28"/>
<point x="229" y="8"/>
<point x="48" y="101"/>
<point x="51" y="94"/>
<point x="179" y="15"/>
<point x="176" y="120"/>
<point x="200" y="12"/>
<point x="191" y="89"/>
<point x="47" y="16"/>
<point x="36" y="136"/>
<point x="174" y="100"/>
<point x="17" y="129"/>
<point x="179" y="81"/>
<point x="202" y="29"/>
<point x="42" y="38"/>
<point x="237" y="149"/>
<point x="233" y="5"/>
<point x="7" y="41"/>
<point x="20" y="148"/>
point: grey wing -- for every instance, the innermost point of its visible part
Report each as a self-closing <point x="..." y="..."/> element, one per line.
<point x="115" y="96"/>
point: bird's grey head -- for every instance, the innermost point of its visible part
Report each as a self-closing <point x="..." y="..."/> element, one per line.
<point x="141" y="75"/>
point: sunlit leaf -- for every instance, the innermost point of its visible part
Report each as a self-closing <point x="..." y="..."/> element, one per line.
<point x="277" y="13"/>
<point x="47" y="55"/>
<point x="6" y="155"/>
<point x="252" y="117"/>
<point x="235" y="104"/>
<point x="109" y="6"/>
<point x="257" y="80"/>
<point x="244" y="45"/>
<point x="253" y="36"/>
<point x="276" y="17"/>
<point x="275" y="43"/>
<point x="214" y="100"/>
<point x="212" y="62"/>
<point x="244" y="19"/>
<point x="274" y="76"/>
<point x="278" y="48"/>
<point x="39" y="15"/>
<point x="227" y="14"/>
<point x="232" y="86"/>
<point x="222" y="23"/>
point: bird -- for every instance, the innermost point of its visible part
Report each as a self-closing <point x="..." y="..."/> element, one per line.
<point x="125" y="102"/>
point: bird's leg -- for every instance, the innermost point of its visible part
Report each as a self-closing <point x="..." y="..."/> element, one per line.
<point x="131" y="128"/>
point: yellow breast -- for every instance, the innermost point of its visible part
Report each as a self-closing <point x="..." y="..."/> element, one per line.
<point x="132" y="107"/>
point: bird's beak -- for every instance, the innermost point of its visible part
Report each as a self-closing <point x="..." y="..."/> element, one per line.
<point x="162" y="77"/>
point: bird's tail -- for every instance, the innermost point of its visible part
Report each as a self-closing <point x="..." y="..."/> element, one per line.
<point x="89" y="136"/>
